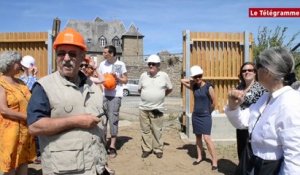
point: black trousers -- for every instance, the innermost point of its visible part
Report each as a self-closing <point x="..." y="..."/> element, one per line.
<point x="242" y="137"/>
<point x="263" y="167"/>
<point x="252" y="165"/>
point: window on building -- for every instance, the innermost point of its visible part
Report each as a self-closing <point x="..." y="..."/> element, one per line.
<point x="102" y="41"/>
<point x="116" y="41"/>
<point x="89" y="40"/>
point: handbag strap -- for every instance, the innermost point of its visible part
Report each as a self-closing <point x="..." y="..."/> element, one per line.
<point x="250" y="136"/>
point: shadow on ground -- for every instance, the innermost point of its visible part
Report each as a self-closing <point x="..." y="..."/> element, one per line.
<point x="191" y="150"/>
<point x="122" y="140"/>
<point x="225" y="166"/>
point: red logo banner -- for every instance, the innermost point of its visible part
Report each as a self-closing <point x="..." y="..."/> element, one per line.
<point x="274" y="12"/>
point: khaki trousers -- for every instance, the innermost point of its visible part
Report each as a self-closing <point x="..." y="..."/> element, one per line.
<point x="151" y="128"/>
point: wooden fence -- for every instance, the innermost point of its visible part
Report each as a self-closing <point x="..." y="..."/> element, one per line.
<point x="28" y="43"/>
<point x="220" y="55"/>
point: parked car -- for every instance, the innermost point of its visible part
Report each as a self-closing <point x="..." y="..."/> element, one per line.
<point x="131" y="88"/>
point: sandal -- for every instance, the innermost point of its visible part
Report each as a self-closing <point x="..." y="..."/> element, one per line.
<point x="108" y="171"/>
<point x="214" y="168"/>
<point x="112" y="152"/>
<point x="197" y="162"/>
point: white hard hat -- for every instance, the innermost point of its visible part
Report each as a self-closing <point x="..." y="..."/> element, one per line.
<point x="28" y="61"/>
<point x="196" y="70"/>
<point x="153" y="59"/>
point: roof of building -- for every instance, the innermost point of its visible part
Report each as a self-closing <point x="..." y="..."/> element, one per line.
<point x="133" y="31"/>
<point x="93" y="30"/>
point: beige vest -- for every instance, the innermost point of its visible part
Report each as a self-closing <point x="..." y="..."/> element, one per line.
<point x="77" y="151"/>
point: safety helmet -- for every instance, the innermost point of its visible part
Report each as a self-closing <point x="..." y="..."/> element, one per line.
<point x="153" y="59"/>
<point x="110" y="82"/>
<point x="28" y="61"/>
<point x="196" y="70"/>
<point x="71" y="37"/>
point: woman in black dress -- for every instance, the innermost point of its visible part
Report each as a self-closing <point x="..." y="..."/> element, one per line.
<point x="253" y="90"/>
<point x="204" y="103"/>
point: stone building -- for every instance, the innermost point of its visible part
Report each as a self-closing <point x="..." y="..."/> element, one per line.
<point x="99" y="33"/>
<point x="130" y="48"/>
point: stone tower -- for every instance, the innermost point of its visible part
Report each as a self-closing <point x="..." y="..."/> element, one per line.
<point x="132" y="45"/>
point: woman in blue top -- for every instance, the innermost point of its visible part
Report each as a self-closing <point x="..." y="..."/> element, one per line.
<point x="204" y="103"/>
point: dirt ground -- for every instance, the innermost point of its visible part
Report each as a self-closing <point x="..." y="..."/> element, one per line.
<point x="177" y="158"/>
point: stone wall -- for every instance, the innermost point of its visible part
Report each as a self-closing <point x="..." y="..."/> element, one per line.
<point x="171" y="66"/>
<point x="132" y="48"/>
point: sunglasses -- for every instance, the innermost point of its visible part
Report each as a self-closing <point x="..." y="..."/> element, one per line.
<point x="197" y="76"/>
<point x="152" y="64"/>
<point x="62" y="53"/>
<point x="247" y="70"/>
<point x="84" y="65"/>
<point x="90" y="67"/>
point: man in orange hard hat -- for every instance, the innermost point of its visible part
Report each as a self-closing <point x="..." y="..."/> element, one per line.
<point x="63" y="112"/>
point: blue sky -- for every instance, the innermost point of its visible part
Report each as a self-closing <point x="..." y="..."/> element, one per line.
<point x="160" y="21"/>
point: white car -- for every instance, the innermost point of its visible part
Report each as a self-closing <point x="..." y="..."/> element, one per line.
<point x="131" y="88"/>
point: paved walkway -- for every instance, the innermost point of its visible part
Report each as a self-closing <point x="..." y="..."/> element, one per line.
<point x="130" y="107"/>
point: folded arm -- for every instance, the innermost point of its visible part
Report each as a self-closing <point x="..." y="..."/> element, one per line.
<point x="51" y="126"/>
<point x="40" y="122"/>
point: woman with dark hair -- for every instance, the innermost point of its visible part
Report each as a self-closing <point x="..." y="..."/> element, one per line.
<point x="274" y="120"/>
<point x="253" y="90"/>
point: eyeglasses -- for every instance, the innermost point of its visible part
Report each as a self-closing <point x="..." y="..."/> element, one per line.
<point x="152" y="64"/>
<point x="90" y="67"/>
<point x="247" y="70"/>
<point x="197" y="76"/>
<point x="62" y="53"/>
<point x="84" y="65"/>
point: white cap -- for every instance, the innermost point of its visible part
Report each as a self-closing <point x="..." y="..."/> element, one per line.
<point x="196" y="70"/>
<point x="28" y="61"/>
<point x="153" y="59"/>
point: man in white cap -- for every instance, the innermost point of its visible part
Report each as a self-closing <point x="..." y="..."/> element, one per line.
<point x="30" y="71"/>
<point x="29" y="78"/>
<point x="154" y="86"/>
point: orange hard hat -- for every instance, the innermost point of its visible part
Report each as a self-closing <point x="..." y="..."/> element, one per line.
<point x="71" y="37"/>
<point x="110" y="82"/>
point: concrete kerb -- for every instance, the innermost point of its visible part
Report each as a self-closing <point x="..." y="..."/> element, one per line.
<point x="222" y="130"/>
<point x="223" y="133"/>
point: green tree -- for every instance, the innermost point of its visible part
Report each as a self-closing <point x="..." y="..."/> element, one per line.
<point x="297" y="61"/>
<point x="267" y="38"/>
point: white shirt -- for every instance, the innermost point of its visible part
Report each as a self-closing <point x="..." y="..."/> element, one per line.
<point x="277" y="132"/>
<point x="153" y="90"/>
<point x="119" y="68"/>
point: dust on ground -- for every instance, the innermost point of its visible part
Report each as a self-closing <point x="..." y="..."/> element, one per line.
<point x="179" y="153"/>
<point x="177" y="158"/>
